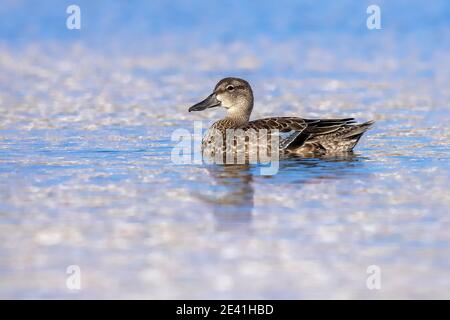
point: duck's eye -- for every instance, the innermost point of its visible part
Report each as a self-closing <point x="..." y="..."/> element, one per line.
<point x="230" y="88"/>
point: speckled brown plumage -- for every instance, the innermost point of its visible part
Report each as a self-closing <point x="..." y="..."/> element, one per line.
<point x="297" y="135"/>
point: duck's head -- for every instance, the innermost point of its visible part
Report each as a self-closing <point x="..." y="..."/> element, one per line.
<point x="234" y="94"/>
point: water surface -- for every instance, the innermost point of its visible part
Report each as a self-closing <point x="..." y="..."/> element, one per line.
<point x="86" y="176"/>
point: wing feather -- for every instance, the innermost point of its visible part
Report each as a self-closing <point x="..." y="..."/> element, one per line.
<point x="298" y="130"/>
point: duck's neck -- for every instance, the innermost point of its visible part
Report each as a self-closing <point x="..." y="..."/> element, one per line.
<point x="238" y="119"/>
<point x="239" y="115"/>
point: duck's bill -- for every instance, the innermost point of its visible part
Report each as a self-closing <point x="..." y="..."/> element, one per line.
<point x="209" y="102"/>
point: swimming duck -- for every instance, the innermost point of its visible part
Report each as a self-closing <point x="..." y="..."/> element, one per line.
<point x="298" y="135"/>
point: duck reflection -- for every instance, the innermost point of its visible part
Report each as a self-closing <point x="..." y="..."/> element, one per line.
<point x="232" y="194"/>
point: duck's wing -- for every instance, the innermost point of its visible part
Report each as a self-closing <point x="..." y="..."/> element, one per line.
<point x="294" y="131"/>
<point x="343" y="138"/>
<point x="282" y="124"/>
<point x="288" y="129"/>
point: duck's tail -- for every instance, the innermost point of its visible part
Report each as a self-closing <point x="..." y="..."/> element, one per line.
<point x="357" y="130"/>
<point x="345" y="139"/>
<point x="355" y="133"/>
<point x="339" y="138"/>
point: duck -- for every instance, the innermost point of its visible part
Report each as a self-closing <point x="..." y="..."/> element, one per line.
<point x="297" y="136"/>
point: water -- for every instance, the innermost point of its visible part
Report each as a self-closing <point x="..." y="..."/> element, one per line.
<point x="86" y="176"/>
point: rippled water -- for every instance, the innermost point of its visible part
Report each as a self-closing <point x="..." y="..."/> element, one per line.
<point x="86" y="176"/>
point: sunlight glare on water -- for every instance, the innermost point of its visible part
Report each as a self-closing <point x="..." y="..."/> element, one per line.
<point x="86" y="176"/>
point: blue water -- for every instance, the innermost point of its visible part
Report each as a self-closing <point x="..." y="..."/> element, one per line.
<point x="87" y="179"/>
